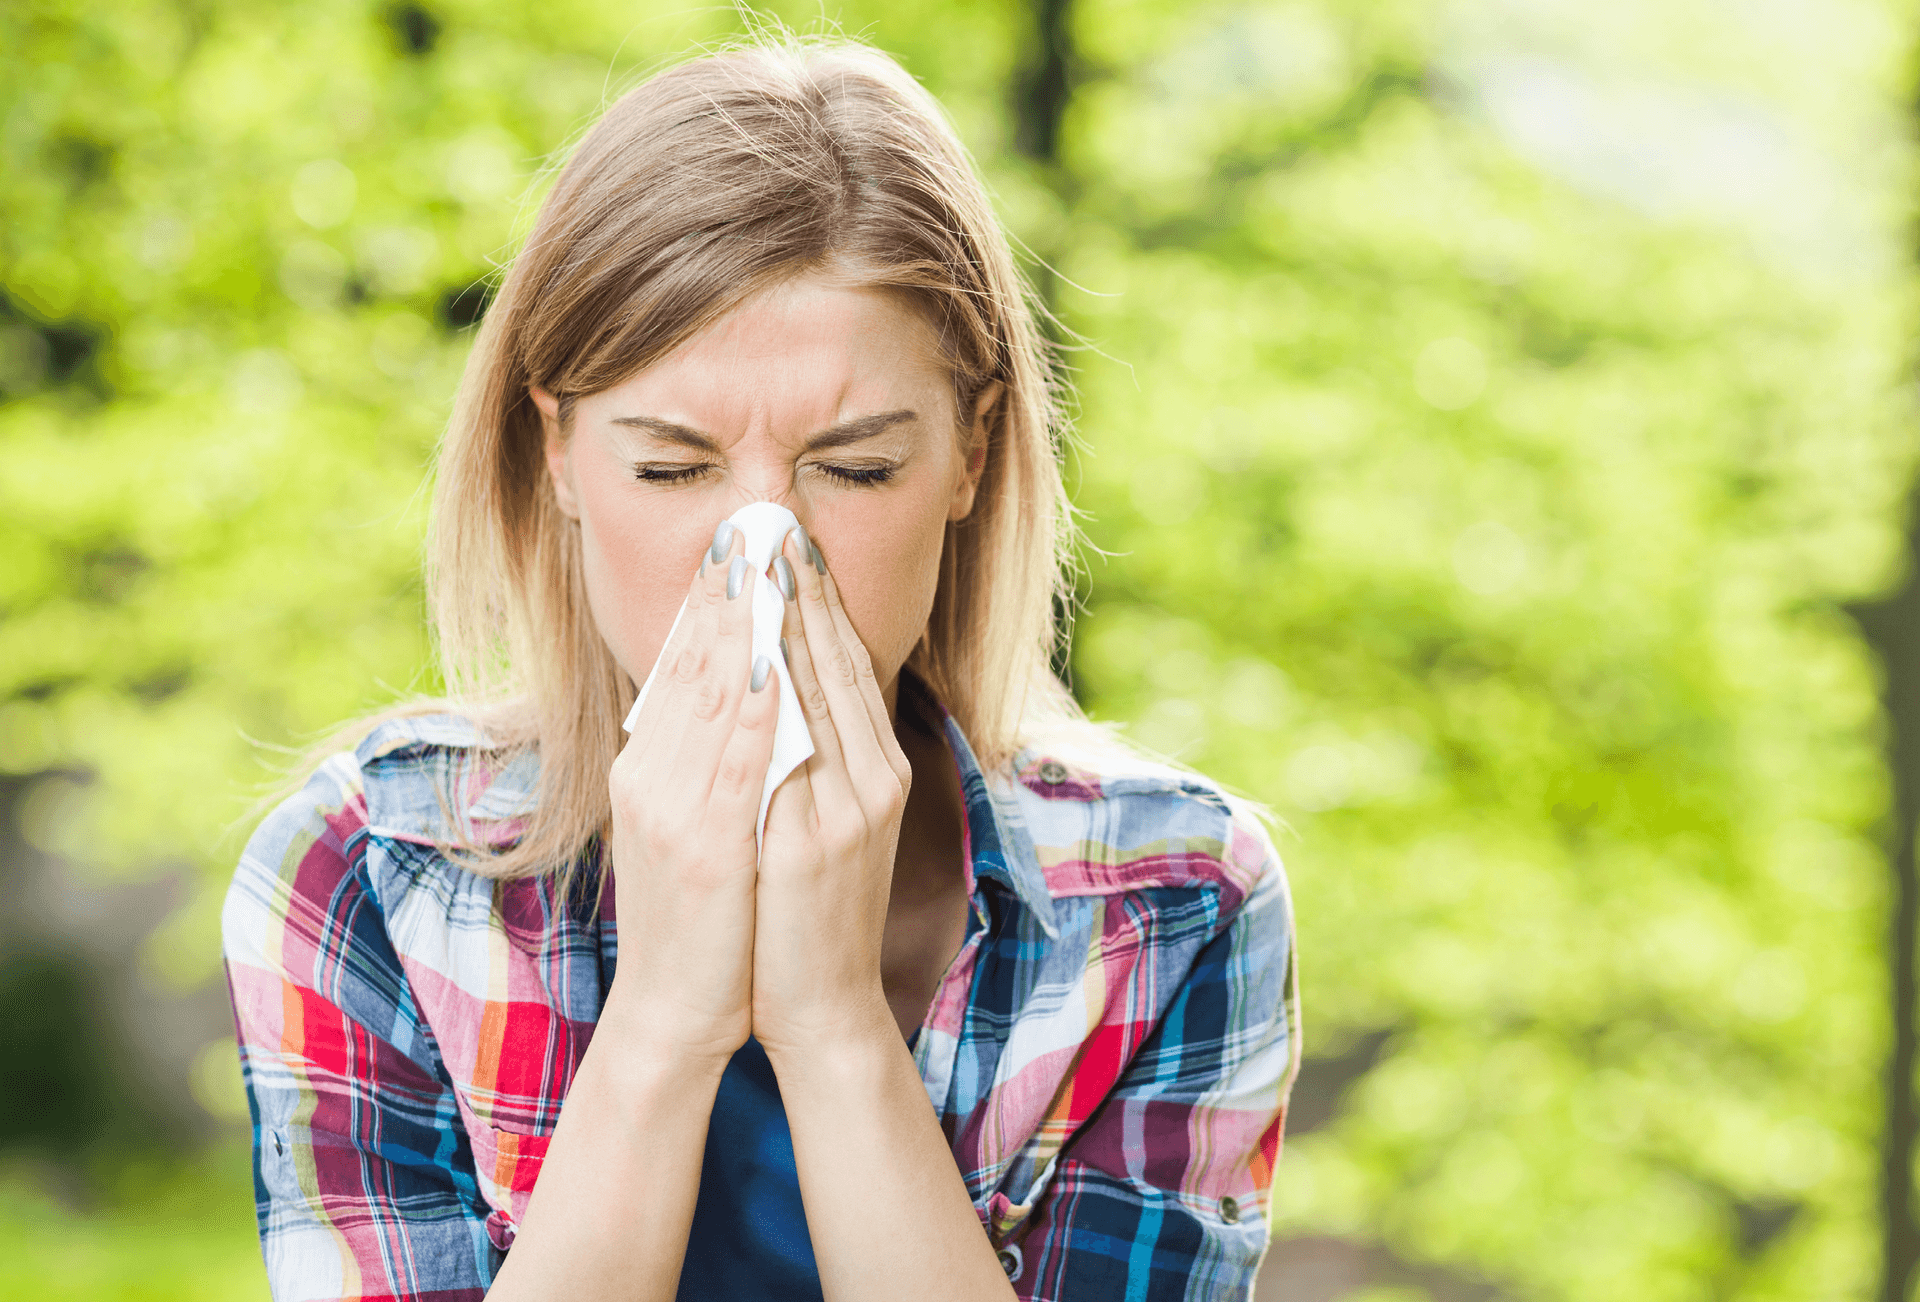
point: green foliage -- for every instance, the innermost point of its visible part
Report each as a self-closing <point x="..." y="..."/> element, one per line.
<point x="1487" y="411"/>
<point x="160" y="1231"/>
<point x="1494" y="532"/>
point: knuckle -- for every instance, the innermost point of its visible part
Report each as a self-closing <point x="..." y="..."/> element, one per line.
<point x="709" y="700"/>
<point x="691" y="664"/>
<point x="850" y="831"/>
<point x="813" y="699"/>
<point x="838" y="830"/>
<point x="734" y="773"/>
<point x="841" y="666"/>
<point x="657" y="840"/>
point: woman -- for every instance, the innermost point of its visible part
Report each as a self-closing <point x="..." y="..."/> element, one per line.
<point x="989" y="1008"/>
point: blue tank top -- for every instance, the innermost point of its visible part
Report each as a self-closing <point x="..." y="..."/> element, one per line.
<point x="749" y="1238"/>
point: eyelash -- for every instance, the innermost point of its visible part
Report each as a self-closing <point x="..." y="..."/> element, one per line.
<point x="860" y="476"/>
<point x="853" y="476"/>
<point x="666" y="475"/>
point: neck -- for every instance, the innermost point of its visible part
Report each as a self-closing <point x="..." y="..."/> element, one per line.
<point x="928" y="856"/>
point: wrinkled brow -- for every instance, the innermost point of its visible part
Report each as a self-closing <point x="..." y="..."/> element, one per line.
<point x="837" y="436"/>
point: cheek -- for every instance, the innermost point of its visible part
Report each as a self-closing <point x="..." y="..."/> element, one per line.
<point x="639" y="562"/>
<point x="884" y="553"/>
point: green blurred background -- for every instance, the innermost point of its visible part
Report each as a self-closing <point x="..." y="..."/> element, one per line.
<point x="1496" y="432"/>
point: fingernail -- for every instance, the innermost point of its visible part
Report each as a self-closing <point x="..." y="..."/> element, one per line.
<point x="722" y="536"/>
<point x="801" y="543"/>
<point x="760" y="668"/>
<point x="783" y="575"/>
<point x="783" y="648"/>
<point x="736" y="577"/>
<point x="819" y="561"/>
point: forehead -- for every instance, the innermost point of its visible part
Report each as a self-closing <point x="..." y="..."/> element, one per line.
<point x="805" y="347"/>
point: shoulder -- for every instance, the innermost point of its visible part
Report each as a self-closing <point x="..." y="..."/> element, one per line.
<point x="320" y="821"/>
<point x="1104" y="821"/>
<point x="299" y="868"/>
<point x="414" y="785"/>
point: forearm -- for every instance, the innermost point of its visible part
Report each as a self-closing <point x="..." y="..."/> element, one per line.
<point x="887" y="1211"/>
<point x="610" y="1214"/>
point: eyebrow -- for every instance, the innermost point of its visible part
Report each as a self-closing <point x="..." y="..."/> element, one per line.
<point x="838" y="436"/>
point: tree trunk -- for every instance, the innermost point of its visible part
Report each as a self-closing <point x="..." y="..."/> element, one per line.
<point x="1892" y="629"/>
<point x="1042" y="87"/>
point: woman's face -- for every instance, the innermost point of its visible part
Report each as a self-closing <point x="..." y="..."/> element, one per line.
<point x="833" y="402"/>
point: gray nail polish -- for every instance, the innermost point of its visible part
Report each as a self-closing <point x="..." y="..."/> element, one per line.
<point x="722" y="537"/>
<point x="819" y="561"/>
<point x="783" y="649"/>
<point x="801" y="543"/>
<point x="783" y="576"/>
<point x="736" y="577"/>
<point x="760" y="668"/>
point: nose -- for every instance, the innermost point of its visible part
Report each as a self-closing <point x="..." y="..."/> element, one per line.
<point x="763" y="467"/>
<point x="764" y="476"/>
<point x="779" y="492"/>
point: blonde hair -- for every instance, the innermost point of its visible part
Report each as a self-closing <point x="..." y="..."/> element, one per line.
<point x="706" y="184"/>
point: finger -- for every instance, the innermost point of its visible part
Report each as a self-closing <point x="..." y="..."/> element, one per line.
<point x="706" y="680"/>
<point x="870" y="693"/>
<point x="828" y="766"/>
<point x="692" y="625"/>
<point x="840" y="661"/>
<point x="740" y="775"/>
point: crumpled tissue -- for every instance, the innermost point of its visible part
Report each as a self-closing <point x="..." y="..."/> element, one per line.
<point x="765" y="526"/>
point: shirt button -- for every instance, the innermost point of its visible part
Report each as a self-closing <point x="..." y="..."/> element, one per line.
<point x="1229" y="1211"/>
<point x="1010" y="1261"/>
<point x="1053" y="772"/>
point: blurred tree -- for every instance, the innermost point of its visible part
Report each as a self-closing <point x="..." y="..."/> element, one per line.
<point x="1892" y="628"/>
<point x="1488" y="412"/>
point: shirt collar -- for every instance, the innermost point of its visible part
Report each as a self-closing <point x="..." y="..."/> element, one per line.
<point x="418" y="769"/>
<point x="998" y="845"/>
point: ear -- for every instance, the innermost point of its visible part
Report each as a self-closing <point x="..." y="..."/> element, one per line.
<point x="558" y="468"/>
<point x="979" y="434"/>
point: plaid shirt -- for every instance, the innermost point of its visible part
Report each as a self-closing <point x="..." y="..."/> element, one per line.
<point x="1109" y="1055"/>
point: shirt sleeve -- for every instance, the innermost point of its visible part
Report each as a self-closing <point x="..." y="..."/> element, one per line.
<point x="1163" y="1194"/>
<point x="363" y="1178"/>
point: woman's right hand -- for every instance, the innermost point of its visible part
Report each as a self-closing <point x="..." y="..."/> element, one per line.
<point x="686" y="795"/>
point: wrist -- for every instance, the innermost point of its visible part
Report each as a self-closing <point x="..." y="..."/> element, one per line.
<point x="646" y="1037"/>
<point x="848" y="1048"/>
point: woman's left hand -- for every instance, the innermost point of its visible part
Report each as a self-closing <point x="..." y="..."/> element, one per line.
<point x="826" y="860"/>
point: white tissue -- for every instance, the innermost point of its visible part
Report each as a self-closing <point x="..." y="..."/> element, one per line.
<point x="766" y="527"/>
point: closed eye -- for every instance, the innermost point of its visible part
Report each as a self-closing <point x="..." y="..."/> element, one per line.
<point x="868" y="475"/>
<point x="654" y="473"/>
